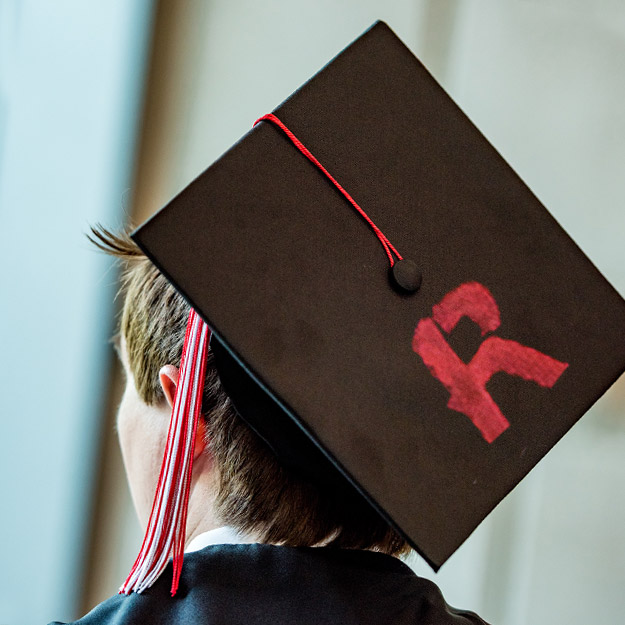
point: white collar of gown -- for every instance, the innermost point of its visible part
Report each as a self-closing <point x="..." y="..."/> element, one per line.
<point x="219" y="536"/>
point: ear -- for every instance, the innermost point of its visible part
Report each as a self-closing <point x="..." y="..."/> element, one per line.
<point x="168" y="376"/>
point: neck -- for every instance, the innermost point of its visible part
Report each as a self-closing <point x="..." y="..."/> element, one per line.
<point x="202" y="516"/>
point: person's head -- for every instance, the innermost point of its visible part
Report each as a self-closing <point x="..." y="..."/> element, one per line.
<point x="249" y="489"/>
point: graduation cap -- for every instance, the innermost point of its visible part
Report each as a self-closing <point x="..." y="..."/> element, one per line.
<point x="390" y="304"/>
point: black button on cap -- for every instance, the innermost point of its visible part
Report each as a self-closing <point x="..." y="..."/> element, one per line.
<point x="406" y="275"/>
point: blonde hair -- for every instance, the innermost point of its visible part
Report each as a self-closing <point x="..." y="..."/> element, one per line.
<point x="257" y="495"/>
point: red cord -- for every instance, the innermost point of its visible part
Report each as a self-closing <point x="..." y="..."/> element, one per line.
<point x="388" y="248"/>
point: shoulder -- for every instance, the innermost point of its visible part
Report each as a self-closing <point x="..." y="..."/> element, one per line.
<point x="264" y="584"/>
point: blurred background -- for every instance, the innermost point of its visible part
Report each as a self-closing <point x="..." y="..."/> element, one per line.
<point x="107" y="109"/>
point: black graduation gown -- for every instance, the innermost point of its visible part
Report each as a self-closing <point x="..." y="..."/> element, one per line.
<point x="268" y="585"/>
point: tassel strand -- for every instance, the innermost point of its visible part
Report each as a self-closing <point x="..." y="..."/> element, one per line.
<point x="166" y="531"/>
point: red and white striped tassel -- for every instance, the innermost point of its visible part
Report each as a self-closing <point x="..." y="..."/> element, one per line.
<point x="165" y="534"/>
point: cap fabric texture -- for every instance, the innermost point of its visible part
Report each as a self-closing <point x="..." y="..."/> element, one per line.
<point x="433" y="388"/>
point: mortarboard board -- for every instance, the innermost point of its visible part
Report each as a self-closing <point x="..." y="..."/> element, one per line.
<point x="433" y="387"/>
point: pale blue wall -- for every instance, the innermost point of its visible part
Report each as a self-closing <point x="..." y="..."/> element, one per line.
<point x="71" y="76"/>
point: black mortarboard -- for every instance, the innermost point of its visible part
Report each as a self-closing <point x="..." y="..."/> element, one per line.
<point x="436" y="386"/>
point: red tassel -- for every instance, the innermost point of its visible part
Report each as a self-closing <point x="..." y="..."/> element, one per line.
<point x="165" y="534"/>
